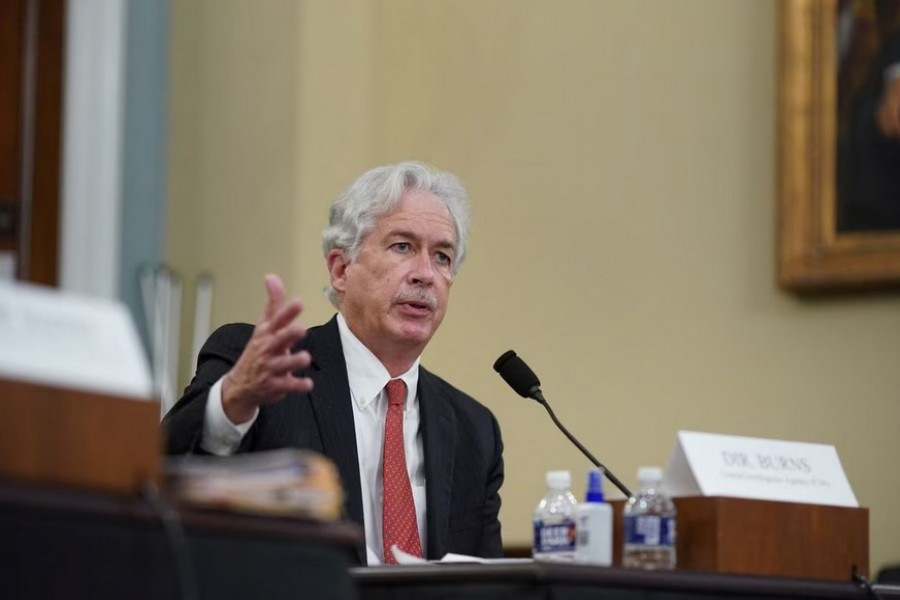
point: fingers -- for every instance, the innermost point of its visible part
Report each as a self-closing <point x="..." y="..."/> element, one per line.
<point x="263" y="378"/>
<point x="275" y="291"/>
<point x="285" y="384"/>
<point x="276" y="336"/>
<point x="264" y="372"/>
<point x="300" y="385"/>
<point x="284" y="315"/>
<point x="288" y="363"/>
<point x="282" y="339"/>
<point x="241" y="398"/>
<point x="277" y="312"/>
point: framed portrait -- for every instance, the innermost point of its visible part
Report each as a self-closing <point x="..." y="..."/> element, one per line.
<point x="838" y="171"/>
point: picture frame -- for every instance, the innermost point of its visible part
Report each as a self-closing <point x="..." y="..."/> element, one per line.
<point x="813" y="255"/>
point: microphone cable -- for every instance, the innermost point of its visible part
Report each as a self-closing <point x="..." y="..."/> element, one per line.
<point x="864" y="583"/>
<point x="525" y="382"/>
<point x="177" y="540"/>
<point x="609" y="475"/>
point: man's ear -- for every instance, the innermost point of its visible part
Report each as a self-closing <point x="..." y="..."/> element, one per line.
<point x="337" y="269"/>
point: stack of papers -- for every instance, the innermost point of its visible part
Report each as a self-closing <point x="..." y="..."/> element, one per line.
<point x="289" y="482"/>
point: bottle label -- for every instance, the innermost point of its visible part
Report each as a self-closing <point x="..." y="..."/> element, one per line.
<point x="558" y="537"/>
<point x="650" y="530"/>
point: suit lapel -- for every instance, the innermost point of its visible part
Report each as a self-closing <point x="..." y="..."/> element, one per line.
<point x="332" y="406"/>
<point x="438" y="440"/>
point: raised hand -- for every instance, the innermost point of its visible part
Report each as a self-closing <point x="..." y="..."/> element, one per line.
<point x="264" y="372"/>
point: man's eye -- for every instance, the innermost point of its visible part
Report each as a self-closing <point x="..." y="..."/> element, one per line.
<point x="443" y="258"/>
<point x="401" y="246"/>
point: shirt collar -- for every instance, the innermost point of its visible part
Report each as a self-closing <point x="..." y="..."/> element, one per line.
<point x="365" y="373"/>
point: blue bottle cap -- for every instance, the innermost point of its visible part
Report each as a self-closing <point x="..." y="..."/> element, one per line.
<point x="595" y="486"/>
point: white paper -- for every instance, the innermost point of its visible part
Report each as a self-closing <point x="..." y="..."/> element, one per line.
<point x="406" y="559"/>
<point x="451" y="558"/>
<point x="71" y="341"/>
<point x="710" y="464"/>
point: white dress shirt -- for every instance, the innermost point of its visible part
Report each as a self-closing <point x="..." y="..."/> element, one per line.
<point x="367" y="378"/>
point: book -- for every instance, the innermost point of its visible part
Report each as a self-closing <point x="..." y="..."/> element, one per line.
<point x="288" y="482"/>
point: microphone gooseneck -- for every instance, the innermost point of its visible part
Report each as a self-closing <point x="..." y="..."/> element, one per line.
<point x="525" y="382"/>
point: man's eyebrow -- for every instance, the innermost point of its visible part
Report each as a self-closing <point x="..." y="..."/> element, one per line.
<point x="409" y="235"/>
<point x="446" y="244"/>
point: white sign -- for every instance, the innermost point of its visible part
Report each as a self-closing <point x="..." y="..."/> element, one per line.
<point x="708" y="464"/>
<point x="70" y="341"/>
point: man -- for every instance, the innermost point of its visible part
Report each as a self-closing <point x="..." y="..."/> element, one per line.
<point x="395" y="240"/>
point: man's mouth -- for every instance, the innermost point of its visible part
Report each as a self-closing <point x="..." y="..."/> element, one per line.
<point x="417" y="306"/>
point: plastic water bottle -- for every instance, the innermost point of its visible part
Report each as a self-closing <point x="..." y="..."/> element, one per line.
<point x="649" y="518"/>
<point x="554" y="520"/>
<point x="594" y="523"/>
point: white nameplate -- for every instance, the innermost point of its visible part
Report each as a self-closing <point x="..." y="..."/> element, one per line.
<point x="708" y="464"/>
<point x="70" y="341"/>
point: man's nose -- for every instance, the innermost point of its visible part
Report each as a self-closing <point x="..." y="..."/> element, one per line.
<point x="422" y="271"/>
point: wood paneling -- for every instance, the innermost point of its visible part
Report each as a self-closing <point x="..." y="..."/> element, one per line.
<point x="12" y="17"/>
<point x="31" y="80"/>
<point x="43" y="246"/>
<point x="78" y="439"/>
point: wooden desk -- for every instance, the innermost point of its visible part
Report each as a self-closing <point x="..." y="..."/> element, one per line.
<point x="543" y="581"/>
<point x="66" y="543"/>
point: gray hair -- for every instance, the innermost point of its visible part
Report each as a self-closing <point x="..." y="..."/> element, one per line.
<point x="376" y="193"/>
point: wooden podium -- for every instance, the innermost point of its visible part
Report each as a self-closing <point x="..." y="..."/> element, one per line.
<point x="63" y="437"/>
<point x="759" y="537"/>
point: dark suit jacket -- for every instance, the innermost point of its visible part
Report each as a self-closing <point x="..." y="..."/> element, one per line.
<point x="461" y="438"/>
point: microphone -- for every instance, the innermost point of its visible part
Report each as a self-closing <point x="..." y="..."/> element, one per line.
<point x="522" y="379"/>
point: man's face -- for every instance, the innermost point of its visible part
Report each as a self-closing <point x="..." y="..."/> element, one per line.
<point x="395" y="293"/>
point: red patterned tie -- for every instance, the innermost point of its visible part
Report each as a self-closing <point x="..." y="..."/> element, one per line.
<point x="398" y="508"/>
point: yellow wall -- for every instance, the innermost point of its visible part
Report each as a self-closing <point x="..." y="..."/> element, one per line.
<point x="620" y="156"/>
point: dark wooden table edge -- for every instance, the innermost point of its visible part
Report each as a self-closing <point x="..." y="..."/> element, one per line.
<point x="140" y="509"/>
<point x="571" y="574"/>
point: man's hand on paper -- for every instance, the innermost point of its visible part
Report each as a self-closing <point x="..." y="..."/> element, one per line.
<point x="264" y="372"/>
